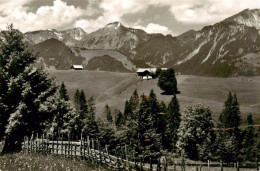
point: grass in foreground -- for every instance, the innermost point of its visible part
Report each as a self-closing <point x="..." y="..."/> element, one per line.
<point x="38" y="162"/>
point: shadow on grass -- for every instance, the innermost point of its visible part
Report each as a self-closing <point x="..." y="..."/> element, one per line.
<point x="170" y="93"/>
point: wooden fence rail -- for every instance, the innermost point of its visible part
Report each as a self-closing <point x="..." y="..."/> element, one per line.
<point x="87" y="149"/>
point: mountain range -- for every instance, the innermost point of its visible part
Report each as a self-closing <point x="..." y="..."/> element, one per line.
<point x="228" y="48"/>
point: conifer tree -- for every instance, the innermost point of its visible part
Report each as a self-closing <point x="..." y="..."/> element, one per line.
<point x="62" y="116"/>
<point x="119" y="119"/>
<point x="81" y="109"/>
<point x="163" y="123"/>
<point x="229" y="121"/>
<point x="108" y="113"/>
<point x="227" y="147"/>
<point x="83" y="104"/>
<point x="149" y="139"/>
<point x="131" y="105"/>
<point x="91" y="128"/>
<point x="249" y="140"/>
<point x="157" y="116"/>
<point x="174" y="120"/>
<point x="25" y="92"/>
<point x="76" y="100"/>
<point x="230" y="116"/>
<point x="63" y="92"/>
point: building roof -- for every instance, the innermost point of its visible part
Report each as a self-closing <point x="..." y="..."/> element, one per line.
<point x="77" y="66"/>
<point x="139" y="70"/>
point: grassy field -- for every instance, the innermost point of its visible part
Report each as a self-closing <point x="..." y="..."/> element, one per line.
<point x="115" y="88"/>
<point x="38" y="162"/>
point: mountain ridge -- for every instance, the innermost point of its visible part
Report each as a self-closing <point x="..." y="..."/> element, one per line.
<point x="222" y="49"/>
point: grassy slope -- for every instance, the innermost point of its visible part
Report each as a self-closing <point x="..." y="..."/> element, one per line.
<point x="12" y="162"/>
<point x="115" y="88"/>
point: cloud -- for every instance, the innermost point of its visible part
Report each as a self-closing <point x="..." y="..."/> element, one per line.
<point x="207" y="11"/>
<point x="185" y="11"/>
<point x="155" y="28"/>
<point x="57" y="15"/>
<point x="61" y="15"/>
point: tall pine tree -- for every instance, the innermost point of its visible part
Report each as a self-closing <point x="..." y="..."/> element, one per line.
<point x="173" y="122"/>
<point x="229" y="134"/>
<point x="63" y="92"/>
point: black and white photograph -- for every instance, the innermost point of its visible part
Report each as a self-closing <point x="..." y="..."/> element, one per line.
<point x="129" y="85"/>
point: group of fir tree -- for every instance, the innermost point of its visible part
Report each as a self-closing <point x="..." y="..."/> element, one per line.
<point x="146" y="126"/>
<point x="29" y="98"/>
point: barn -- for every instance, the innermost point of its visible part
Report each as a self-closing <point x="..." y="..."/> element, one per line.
<point x="77" y="67"/>
<point x="145" y="73"/>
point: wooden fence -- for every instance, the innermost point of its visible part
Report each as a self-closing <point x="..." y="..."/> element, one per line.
<point x="89" y="149"/>
<point x="84" y="149"/>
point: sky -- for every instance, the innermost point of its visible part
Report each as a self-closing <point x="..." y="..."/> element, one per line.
<point x="154" y="16"/>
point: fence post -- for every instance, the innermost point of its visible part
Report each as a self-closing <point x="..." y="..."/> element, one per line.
<point x="221" y="167"/>
<point x="88" y="146"/>
<point x="100" y="158"/>
<point x="84" y="149"/>
<point x="75" y="150"/>
<point x="208" y="165"/>
<point x="165" y="164"/>
<point x="52" y="144"/>
<point x="31" y="143"/>
<point x="27" y="145"/>
<point x="62" y="144"/>
<point x="70" y="146"/>
<point x="57" y="144"/>
<point x="37" y="142"/>
<point x="237" y="166"/>
<point x="151" y="164"/>
<point x="80" y="147"/>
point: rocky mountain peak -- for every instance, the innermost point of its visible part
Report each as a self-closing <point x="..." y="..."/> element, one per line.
<point x="246" y="17"/>
<point x="114" y="25"/>
<point x="76" y="33"/>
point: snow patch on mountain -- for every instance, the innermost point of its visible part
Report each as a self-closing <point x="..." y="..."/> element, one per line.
<point x="193" y="53"/>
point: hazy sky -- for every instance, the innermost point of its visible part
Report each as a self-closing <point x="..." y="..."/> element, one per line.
<point x="164" y="16"/>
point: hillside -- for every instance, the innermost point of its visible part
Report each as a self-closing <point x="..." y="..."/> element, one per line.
<point x="115" y="88"/>
<point x="106" y="63"/>
<point x="54" y="54"/>
<point x="89" y="54"/>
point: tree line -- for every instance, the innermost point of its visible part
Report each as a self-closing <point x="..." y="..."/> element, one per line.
<point x="31" y="102"/>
